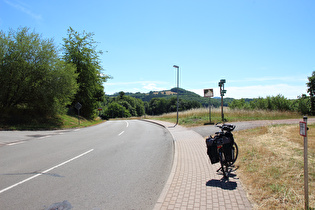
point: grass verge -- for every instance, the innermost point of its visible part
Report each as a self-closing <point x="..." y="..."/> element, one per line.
<point x="59" y="122"/>
<point x="271" y="166"/>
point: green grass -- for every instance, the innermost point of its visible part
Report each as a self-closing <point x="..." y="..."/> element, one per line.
<point x="37" y="123"/>
<point x="73" y="122"/>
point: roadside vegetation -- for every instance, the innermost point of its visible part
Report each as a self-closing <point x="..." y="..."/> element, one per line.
<point x="58" y="122"/>
<point x="40" y="82"/>
<point x="271" y="166"/>
<point x="198" y="117"/>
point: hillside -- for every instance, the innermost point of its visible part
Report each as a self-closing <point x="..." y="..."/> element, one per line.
<point x="183" y="95"/>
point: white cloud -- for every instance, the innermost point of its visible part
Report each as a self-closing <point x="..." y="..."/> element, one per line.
<point x="266" y="79"/>
<point x="134" y="83"/>
<point x="151" y="87"/>
<point x="262" y="80"/>
<point x="23" y="8"/>
<point x="137" y="86"/>
<point x="290" y="92"/>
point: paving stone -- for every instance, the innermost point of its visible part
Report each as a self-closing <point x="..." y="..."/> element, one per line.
<point x="194" y="183"/>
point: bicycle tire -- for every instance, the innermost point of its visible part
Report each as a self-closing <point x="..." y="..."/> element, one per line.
<point x="224" y="165"/>
<point x="234" y="153"/>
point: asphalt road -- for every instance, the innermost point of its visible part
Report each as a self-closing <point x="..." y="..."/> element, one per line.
<point x="114" y="165"/>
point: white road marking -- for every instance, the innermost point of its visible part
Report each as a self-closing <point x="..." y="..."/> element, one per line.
<point x="15" y="143"/>
<point x="121" y="133"/>
<point x="52" y="168"/>
<point x="127" y="124"/>
<point x="43" y="137"/>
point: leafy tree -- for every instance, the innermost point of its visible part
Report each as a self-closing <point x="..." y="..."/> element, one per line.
<point x="114" y="110"/>
<point x="302" y="104"/>
<point x="140" y="107"/>
<point x="32" y="76"/>
<point x="311" y="91"/>
<point x="158" y="106"/>
<point x="80" y="50"/>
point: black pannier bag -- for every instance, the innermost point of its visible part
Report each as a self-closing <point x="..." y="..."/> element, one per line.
<point x="227" y="149"/>
<point x="212" y="150"/>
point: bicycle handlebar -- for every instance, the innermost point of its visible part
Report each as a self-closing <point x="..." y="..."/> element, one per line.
<point x="226" y="127"/>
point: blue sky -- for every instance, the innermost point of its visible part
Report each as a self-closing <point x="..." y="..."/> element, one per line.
<point x="261" y="47"/>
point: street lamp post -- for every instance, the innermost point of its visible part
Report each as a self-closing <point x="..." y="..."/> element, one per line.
<point x="222" y="92"/>
<point x="177" y="67"/>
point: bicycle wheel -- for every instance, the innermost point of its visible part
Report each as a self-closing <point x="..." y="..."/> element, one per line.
<point x="234" y="154"/>
<point x="224" y="164"/>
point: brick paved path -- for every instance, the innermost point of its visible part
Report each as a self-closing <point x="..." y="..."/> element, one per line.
<point x="194" y="182"/>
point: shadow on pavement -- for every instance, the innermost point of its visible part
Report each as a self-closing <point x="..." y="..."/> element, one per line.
<point x="222" y="183"/>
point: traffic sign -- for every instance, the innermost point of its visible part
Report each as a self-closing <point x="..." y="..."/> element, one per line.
<point x="208" y="92"/>
<point x="303" y="128"/>
<point x="78" y="106"/>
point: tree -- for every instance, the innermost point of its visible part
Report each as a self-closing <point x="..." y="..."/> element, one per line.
<point x="80" y="50"/>
<point x="311" y="91"/>
<point x="114" y="110"/>
<point x="32" y="76"/>
<point x="303" y="104"/>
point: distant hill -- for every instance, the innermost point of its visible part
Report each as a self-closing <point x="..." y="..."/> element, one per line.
<point x="183" y="94"/>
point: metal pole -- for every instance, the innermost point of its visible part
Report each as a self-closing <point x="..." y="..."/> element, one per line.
<point x="177" y="92"/>
<point x="209" y="110"/>
<point x="177" y="67"/>
<point x="222" y="115"/>
<point x="305" y="166"/>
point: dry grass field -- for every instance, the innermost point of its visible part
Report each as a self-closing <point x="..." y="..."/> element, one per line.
<point x="197" y="117"/>
<point x="271" y="166"/>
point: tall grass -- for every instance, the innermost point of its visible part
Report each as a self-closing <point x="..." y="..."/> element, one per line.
<point x="196" y="117"/>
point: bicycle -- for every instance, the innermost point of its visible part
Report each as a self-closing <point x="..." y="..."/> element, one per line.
<point x="222" y="148"/>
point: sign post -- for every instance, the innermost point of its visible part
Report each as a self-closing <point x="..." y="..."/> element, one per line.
<point x="78" y="106"/>
<point x="99" y="110"/>
<point x="303" y="132"/>
<point x="208" y="93"/>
